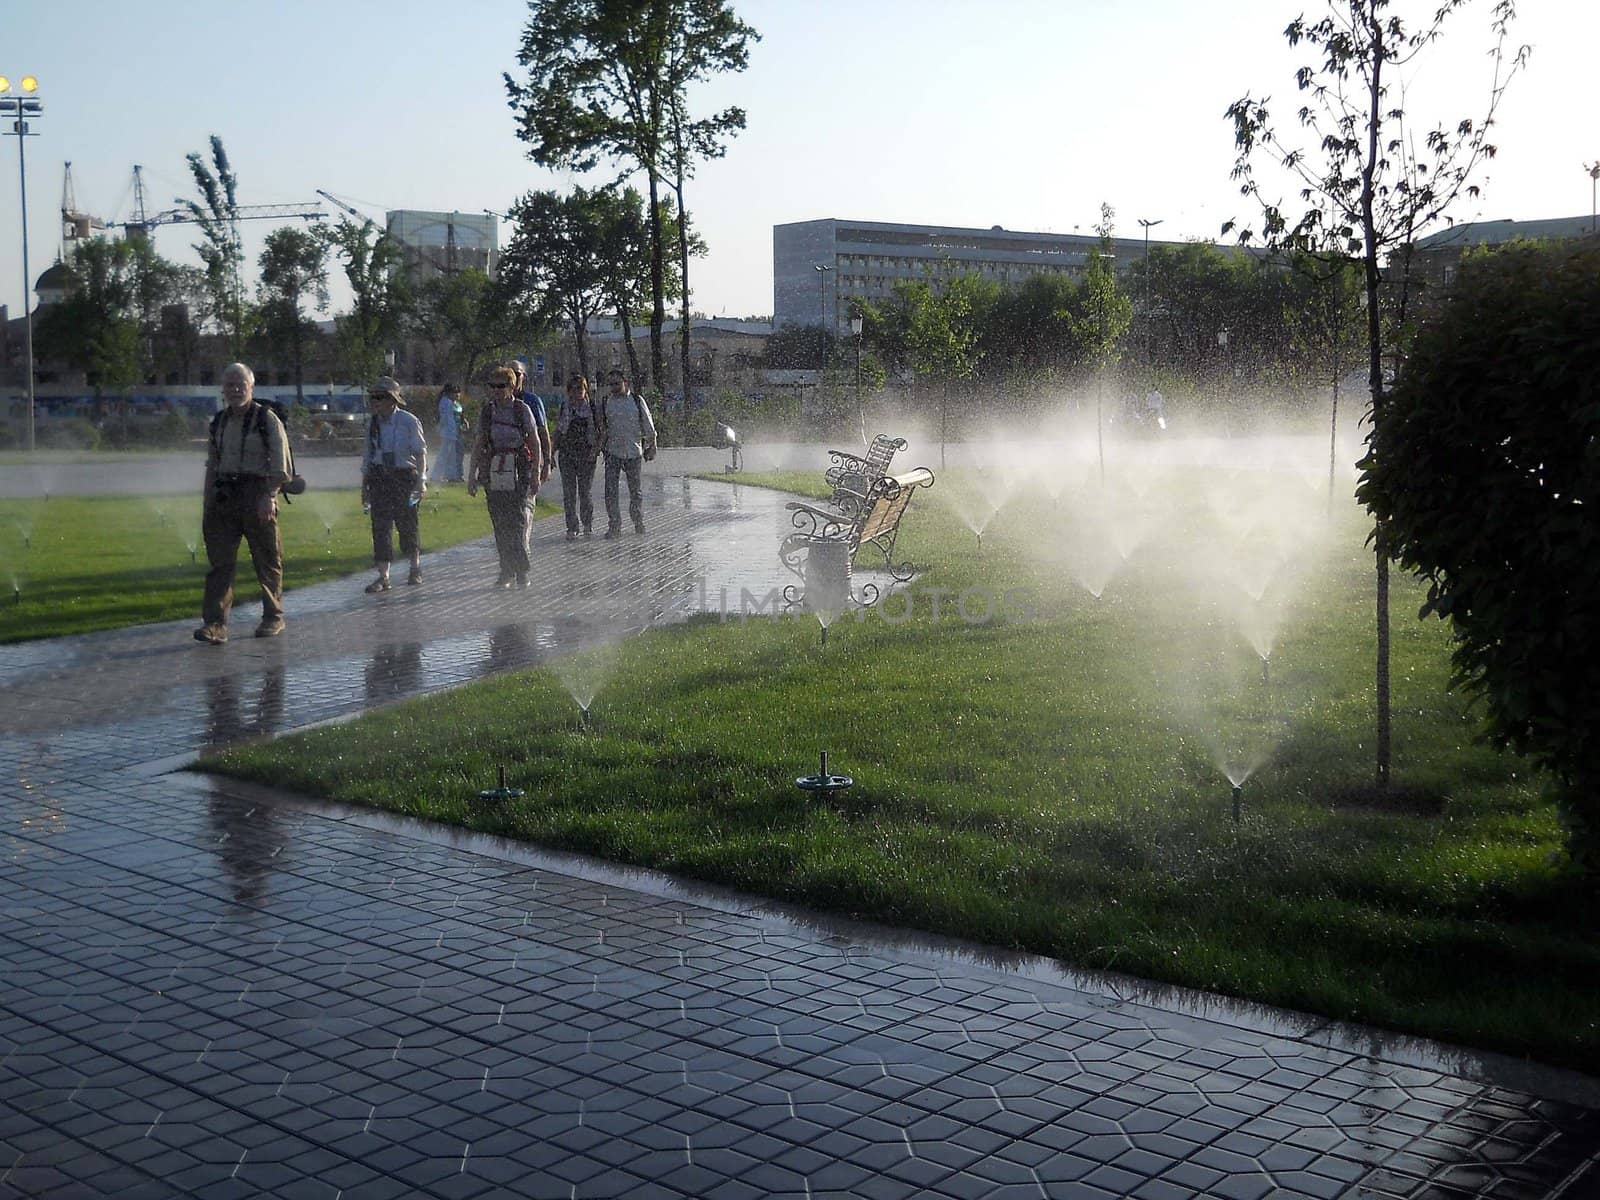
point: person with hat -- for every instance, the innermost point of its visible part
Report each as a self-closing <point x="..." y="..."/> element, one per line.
<point x="394" y="476"/>
<point x="507" y="462"/>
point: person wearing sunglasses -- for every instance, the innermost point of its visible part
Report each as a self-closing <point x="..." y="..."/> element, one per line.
<point x="506" y="461"/>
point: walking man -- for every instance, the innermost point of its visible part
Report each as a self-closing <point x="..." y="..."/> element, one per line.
<point x="394" y="476"/>
<point x="628" y="437"/>
<point x="247" y="461"/>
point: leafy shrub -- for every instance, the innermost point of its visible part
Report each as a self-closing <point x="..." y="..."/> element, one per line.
<point x="70" y="433"/>
<point x="1486" y="466"/>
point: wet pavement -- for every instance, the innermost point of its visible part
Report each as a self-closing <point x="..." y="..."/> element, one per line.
<point x="212" y="989"/>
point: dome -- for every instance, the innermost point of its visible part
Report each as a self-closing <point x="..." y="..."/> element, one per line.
<point x="55" y="279"/>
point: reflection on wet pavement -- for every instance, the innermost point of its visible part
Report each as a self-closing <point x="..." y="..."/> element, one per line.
<point x="210" y="989"/>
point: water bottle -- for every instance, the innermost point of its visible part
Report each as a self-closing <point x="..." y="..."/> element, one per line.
<point x="415" y="498"/>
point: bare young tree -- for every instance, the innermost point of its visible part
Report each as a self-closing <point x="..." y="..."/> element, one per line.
<point x="1365" y="186"/>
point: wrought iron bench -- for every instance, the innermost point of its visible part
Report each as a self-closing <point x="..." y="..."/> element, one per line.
<point x="843" y="532"/>
<point x="851" y="476"/>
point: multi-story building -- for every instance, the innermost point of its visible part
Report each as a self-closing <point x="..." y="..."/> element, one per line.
<point x="442" y="243"/>
<point x="819" y="266"/>
<point x="1437" y="255"/>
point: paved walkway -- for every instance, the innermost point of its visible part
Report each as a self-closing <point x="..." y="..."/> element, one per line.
<point x="209" y="989"/>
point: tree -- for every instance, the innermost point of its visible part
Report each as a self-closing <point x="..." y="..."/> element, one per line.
<point x="466" y="321"/>
<point x="604" y="79"/>
<point x="556" y="260"/>
<point x="294" y="268"/>
<point x="1370" y="192"/>
<point x="1325" y="316"/>
<point x="707" y="39"/>
<point x="381" y="298"/>
<point x="942" y="333"/>
<point x="96" y="327"/>
<point x="219" y="248"/>
<point x="1489" y="485"/>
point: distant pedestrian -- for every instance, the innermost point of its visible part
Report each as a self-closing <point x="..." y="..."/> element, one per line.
<point x="449" y="434"/>
<point x="506" y="460"/>
<point x="628" y="438"/>
<point x="578" y="450"/>
<point x="394" y="477"/>
<point x="541" y="420"/>
<point x="247" y="461"/>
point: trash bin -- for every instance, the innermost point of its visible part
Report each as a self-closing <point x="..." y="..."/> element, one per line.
<point x="827" y="576"/>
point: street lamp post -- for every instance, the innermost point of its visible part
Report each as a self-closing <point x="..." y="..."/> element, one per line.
<point x="22" y="107"/>
<point x="822" y="311"/>
<point x="1149" y="324"/>
<point x="1100" y="384"/>
<point x="1594" y="178"/>
<point x="861" y="404"/>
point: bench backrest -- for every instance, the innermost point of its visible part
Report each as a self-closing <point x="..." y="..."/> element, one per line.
<point x="890" y="497"/>
<point x="852" y="475"/>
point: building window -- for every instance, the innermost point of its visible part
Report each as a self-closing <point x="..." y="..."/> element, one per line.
<point x="1449" y="276"/>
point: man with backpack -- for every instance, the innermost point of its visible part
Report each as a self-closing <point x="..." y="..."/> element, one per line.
<point x="247" y="463"/>
<point x="628" y="436"/>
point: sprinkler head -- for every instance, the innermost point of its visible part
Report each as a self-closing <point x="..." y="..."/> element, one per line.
<point x="1238" y="792"/>
<point x="824" y="639"/>
<point x="16" y="594"/>
<point x="1266" y="669"/>
<point x="27" y="541"/>
<point x="826" y="786"/>
<point x="502" y="792"/>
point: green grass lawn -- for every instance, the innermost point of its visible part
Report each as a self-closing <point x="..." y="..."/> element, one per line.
<point x="75" y="564"/>
<point x="1054" y="779"/>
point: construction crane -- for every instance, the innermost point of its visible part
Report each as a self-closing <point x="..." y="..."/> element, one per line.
<point x="341" y="205"/>
<point x="75" y="225"/>
<point x="141" y="224"/>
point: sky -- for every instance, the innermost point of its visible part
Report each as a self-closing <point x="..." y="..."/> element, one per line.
<point x="1022" y="113"/>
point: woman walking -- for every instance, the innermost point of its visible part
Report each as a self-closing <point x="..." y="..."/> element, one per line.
<point x="577" y="451"/>
<point x="506" y="460"/>
<point x="394" y="476"/>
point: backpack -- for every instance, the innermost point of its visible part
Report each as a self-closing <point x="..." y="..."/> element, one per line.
<point x="297" y="482"/>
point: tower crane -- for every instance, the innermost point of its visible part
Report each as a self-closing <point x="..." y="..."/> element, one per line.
<point x="75" y="225"/>
<point x="142" y="224"/>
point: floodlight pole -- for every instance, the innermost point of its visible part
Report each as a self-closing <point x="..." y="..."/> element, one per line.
<point x="1100" y="385"/>
<point x="23" y="107"/>
<point x="856" y="324"/>
<point x="1149" y="324"/>
<point x="1594" y="179"/>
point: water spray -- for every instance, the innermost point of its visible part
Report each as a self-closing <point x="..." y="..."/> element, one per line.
<point x="502" y="792"/>
<point x="825" y="786"/>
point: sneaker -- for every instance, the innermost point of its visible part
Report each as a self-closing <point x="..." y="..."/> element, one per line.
<point x="611" y="533"/>
<point x="213" y="634"/>
<point x="271" y="627"/>
<point x="638" y="526"/>
<point x="504" y="581"/>
<point x="377" y="585"/>
<point x="415" y="577"/>
<point x="572" y="535"/>
<point x="522" y="579"/>
<point x="588" y="531"/>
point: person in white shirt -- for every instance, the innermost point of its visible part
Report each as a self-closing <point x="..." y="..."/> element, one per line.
<point x="627" y="438"/>
<point x="394" y="476"/>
